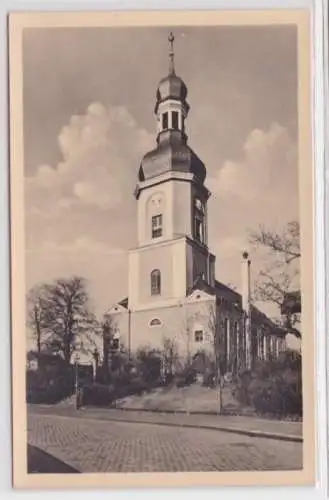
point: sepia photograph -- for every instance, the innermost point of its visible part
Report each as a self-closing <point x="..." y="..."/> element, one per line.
<point x="161" y="238"/>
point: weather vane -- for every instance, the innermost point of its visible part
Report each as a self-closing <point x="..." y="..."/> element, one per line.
<point x="171" y="40"/>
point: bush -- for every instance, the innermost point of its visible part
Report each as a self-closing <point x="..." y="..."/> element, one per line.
<point x="209" y="379"/>
<point x="149" y="365"/>
<point x="49" y="385"/>
<point x="186" y="377"/>
<point x="98" y="395"/>
<point x="242" y="385"/>
<point x="276" y="397"/>
<point x="274" y="388"/>
<point x="120" y="387"/>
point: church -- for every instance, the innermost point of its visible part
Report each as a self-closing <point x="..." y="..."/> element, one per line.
<point x="173" y="293"/>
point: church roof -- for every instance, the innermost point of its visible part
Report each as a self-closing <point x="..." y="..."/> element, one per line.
<point x="124" y="302"/>
<point x="171" y="154"/>
<point x="234" y="299"/>
<point x="171" y="87"/>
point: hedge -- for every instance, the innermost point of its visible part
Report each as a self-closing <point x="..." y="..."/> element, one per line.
<point x="49" y="385"/>
<point x="105" y="395"/>
<point x="273" y="387"/>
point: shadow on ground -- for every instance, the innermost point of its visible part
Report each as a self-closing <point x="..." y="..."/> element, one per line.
<point x="40" y="462"/>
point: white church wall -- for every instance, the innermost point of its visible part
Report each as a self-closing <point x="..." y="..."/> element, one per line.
<point x="179" y="323"/>
<point x="156" y="258"/>
<point x="182" y="221"/>
<point x="178" y="251"/>
<point x="170" y="259"/>
<point x="155" y="200"/>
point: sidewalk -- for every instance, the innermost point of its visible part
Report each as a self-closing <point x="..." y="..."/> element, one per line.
<point x="249" y="426"/>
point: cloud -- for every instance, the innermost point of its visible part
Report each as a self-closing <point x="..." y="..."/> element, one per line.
<point x="264" y="175"/>
<point x="78" y="248"/>
<point x="76" y="211"/>
<point x="258" y="187"/>
<point x="80" y="214"/>
<point x="99" y="150"/>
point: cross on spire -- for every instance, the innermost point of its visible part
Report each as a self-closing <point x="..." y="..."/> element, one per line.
<point x="171" y="40"/>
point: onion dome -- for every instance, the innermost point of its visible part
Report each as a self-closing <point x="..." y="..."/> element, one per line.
<point x="171" y="86"/>
<point x="171" y="154"/>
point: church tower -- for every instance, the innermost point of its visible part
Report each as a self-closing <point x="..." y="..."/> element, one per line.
<point x="172" y="227"/>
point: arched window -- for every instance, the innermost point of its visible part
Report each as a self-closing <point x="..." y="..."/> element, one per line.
<point x="165" y="121"/>
<point x="199" y="221"/>
<point x="174" y="120"/>
<point x="155" y="282"/>
<point x="155" y="322"/>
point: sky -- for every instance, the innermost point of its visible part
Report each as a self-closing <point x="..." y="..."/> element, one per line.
<point x="89" y="96"/>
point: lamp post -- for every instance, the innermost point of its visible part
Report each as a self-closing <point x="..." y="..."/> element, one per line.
<point x="129" y="333"/>
<point x="246" y="305"/>
<point x="76" y="381"/>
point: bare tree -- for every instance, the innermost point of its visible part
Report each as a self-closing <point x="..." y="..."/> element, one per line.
<point x="286" y="244"/>
<point x="281" y="275"/>
<point x="181" y="332"/>
<point x="169" y="355"/>
<point x="35" y="314"/>
<point x="67" y="321"/>
<point x="108" y="337"/>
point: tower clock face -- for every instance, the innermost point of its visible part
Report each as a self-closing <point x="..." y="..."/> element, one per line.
<point x="157" y="201"/>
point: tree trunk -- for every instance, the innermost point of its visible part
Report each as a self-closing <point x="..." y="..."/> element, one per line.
<point x="38" y="329"/>
<point x="67" y="352"/>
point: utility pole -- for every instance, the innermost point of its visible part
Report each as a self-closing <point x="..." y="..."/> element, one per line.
<point x="246" y="305"/>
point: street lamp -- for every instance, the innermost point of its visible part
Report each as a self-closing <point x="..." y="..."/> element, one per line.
<point x="129" y="333"/>
<point x="76" y="381"/>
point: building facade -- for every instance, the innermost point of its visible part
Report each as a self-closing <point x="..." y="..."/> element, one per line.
<point x="173" y="294"/>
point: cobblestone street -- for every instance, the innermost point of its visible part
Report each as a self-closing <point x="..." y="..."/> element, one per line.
<point x="89" y="445"/>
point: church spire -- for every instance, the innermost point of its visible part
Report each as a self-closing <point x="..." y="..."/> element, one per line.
<point x="171" y="40"/>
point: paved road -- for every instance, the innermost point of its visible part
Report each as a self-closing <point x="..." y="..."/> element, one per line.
<point x="90" y="445"/>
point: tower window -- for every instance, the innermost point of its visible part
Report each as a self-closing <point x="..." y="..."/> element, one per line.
<point x="199" y="221"/>
<point x="174" y="120"/>
<point x="157" y="226"/>
<point x="164" y="121"/>
<point x="155" y="282"/>
<point x="198" y="336"/>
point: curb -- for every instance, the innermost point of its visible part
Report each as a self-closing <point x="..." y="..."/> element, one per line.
<point x="231" y="430"/>
<point x="225" y="412"/>
<point x="167" y="412"/>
